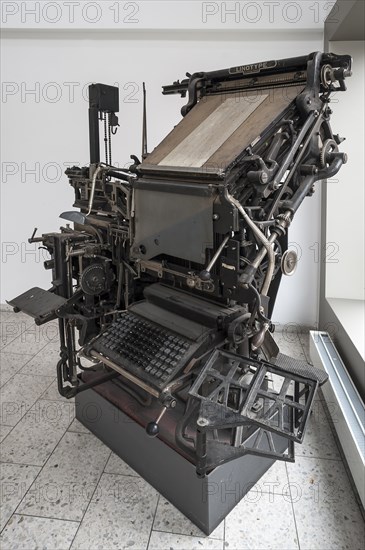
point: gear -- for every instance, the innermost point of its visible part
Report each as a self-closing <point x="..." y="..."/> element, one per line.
<point x="329" y="146"/>
<point x="94" y="280"/>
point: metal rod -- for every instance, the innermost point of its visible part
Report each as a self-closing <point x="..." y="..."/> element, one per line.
<point x="97" y="382"/>
<point x="161" y="415"/>
<point x="120" y="281"/>
<point x="261" y="237"/>
<point x="291" y="154"/>
<point x="144" y="124"/>
<point x="218" y="252"/>
<point x="124" y="373"/>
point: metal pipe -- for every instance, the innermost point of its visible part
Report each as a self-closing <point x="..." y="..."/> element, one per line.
<point x="262" y="253"/>
<point x="93" y="186"/>
<point x="261" y="237"/>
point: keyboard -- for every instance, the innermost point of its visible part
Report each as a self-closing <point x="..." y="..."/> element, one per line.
<point x="147" y="350"/>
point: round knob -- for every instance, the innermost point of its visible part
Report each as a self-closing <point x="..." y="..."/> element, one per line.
<point x="152" y="429"/>
<point x="204" y="275"/>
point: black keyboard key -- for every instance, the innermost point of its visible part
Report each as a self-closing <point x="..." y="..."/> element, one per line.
<point x="149" y="351"/>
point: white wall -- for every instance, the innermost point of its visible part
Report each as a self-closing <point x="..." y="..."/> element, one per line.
<point x="345" y="193"/>
<point x="55" y="134"/>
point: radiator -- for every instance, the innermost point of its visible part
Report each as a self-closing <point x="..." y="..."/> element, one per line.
<point x="344" y="404"/>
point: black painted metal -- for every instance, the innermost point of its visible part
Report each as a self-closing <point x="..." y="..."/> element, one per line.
<point x="38" y="303"/>
<point x="102" y="99"/>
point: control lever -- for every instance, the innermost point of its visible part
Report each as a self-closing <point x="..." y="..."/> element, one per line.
<point x="152" y="428"/>
<point x="34" y="239"/>
<point x="205" y="274"/>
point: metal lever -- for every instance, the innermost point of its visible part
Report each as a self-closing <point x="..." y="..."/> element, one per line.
<point x="34" y="239"/>
<point x="152" y="428"/>
<point x="205" y="274"/>
<point x="168" y="402"/>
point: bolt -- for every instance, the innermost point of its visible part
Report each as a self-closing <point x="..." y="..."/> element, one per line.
<point x="264" y="177"/>
<point x="202" y="422"/>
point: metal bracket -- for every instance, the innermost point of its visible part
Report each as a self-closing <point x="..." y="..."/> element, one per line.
<point x="234" y="394"/>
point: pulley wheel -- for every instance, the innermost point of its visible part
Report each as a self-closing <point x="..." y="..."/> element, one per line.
<point x="289" y="262"/>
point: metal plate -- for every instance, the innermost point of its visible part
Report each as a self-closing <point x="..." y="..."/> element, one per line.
<point x="38" y="303"/>
<point x="175" y="224"/>
<point x="301" y="368"/>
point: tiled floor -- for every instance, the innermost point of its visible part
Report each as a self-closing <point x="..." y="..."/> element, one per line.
<point x="62" y="488"/>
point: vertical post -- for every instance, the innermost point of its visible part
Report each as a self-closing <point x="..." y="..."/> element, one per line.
<point x="94" y="135"/>
<point x="144" y="125"/>
<point x="201" y="452"/>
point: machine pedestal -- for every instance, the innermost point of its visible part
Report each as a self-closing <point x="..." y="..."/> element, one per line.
<point x="205" y="501"/>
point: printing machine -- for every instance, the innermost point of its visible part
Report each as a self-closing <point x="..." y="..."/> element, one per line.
<point x="165" y="286"/>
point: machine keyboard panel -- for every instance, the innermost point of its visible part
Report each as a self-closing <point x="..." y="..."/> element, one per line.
<point x="149" y="351"/>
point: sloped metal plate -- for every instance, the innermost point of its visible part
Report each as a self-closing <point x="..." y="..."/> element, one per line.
<point x="301" y="368"/>
<point x="38" y="303"/>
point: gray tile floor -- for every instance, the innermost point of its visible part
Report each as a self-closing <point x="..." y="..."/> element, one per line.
<point x="62" y="488"/>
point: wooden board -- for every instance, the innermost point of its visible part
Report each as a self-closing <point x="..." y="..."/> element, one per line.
<point x="211" y="133"/>
<point x="216" y="131"/>
<point x="277" y="102"/>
